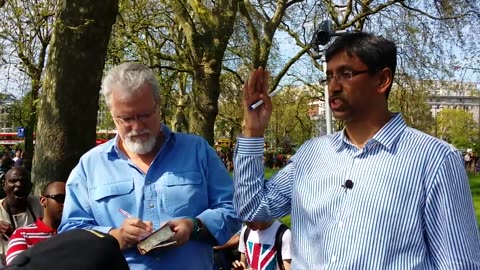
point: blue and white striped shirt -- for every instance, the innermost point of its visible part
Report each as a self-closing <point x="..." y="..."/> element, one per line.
<point x="410" y="206"/>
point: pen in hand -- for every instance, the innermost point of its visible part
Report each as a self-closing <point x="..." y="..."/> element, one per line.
<point x="125" y="213"/>
<point x="128" y="215"/>
<point x="260" y="102"/>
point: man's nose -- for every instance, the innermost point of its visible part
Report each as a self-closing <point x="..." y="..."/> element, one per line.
<point x="334" y="86"/>
<point x="137" y="124"/>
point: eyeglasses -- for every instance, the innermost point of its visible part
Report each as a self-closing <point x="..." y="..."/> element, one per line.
<point x="343" y="76"/>
<point x="59" y="198"/>
<point x="128" y="120"/>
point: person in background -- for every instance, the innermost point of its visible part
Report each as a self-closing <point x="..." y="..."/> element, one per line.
<point x="18" y="208"/>
<point x="79" y="249"/>
<point x="156" y="175"/>
<point x="24" y="238"/>
<point x="20" y="160"/>
<point x="18" y="155"/>
<point x="227" y="253"/>
<point x="376" y="195"/>
<point x="264" y="246"/>
<point x="6" y="164"/>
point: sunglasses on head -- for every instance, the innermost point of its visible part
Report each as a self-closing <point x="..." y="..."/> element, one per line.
<point x="60" y="198"/>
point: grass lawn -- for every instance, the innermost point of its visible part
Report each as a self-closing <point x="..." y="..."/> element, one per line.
<point x="474" y="186"/>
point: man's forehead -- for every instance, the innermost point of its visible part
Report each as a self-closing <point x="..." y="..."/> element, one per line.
<point x="342" y="60"/>
<point x="17" y="174"/>
<point x="57" y="187"/>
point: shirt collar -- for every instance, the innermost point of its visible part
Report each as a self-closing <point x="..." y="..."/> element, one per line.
<point x="44" y="227"/>
<point x="387" y="136"/>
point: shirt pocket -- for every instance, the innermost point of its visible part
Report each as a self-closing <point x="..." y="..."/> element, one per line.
<point x="109" y="197"/>
<point x="111" y="190"/>
<point x="183" y="193"/>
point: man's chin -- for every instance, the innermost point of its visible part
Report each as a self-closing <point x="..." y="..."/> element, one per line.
<point x="140" y="147"/>
<point x="139" y="150"/>
<point x="340" y="115"/>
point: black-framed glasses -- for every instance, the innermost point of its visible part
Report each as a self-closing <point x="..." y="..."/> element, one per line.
<point x="128" y="120"/>
<point x="59" y="198"/>
<point x="343" y="76"/>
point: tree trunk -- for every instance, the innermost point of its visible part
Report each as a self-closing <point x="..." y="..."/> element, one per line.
<point x="69" y="103"/>
<point x="206" y="90"/>
<point x="32" y="116"/>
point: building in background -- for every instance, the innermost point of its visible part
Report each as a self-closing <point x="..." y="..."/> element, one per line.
<point x="454" y="95"/>
<point x="6" y="102"/>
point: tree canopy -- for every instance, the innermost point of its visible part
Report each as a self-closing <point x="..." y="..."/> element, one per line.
<point x="202" y="51"/>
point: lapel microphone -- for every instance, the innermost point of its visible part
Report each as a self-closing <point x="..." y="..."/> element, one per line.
<point x="348" y="184"/>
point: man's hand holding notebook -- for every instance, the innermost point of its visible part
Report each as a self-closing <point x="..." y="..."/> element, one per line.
<point x="160" y="238"/>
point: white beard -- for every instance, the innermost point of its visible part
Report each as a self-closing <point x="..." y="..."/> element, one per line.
<point x="140" y="147"/>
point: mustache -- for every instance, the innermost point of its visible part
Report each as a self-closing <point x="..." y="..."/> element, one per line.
<point x="138" y="132"/>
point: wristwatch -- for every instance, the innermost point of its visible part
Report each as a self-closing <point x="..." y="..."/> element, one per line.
<point x="197" y="227"/>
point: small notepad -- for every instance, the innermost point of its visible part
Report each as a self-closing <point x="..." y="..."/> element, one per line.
<point x="158" y="239"/>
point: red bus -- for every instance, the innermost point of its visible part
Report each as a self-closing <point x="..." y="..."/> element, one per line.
<point x="11" y="138"/>
<point x="105" y="135"/>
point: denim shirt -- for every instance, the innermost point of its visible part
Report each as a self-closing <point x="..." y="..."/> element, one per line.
<point x="185" y="179"/>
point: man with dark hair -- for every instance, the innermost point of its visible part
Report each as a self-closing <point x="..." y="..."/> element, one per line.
<point x="24" y="238"/>
<point x="376" y="195"/>
<point x="18" y="209"/>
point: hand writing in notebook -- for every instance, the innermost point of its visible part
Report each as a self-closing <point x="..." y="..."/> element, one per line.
<point x="131" y="231"/>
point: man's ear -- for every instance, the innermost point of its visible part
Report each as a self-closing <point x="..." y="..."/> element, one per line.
<point x="43" y="201"/>
<point x="385" y="80"/>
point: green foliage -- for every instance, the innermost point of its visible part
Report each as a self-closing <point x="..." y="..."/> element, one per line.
<point x="457" y="127"/>
<point x="104" y="117"/>
<point x="409" y="98"/>
<point x="290" y="124"/>
<point x="230" y="113"/>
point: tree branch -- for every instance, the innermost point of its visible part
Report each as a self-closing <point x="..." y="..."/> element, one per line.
<point x="435" y="17"/>
<point x="287" y="66"/>
<point x="234" y="73"/>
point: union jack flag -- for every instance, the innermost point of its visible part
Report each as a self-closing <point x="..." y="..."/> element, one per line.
<point x="261" y="256"/>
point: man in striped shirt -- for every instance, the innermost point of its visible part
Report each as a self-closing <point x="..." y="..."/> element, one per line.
<point x="43" y="228"/>
<point x="378" y="194"/>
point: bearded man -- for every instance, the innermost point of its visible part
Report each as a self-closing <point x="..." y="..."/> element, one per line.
<point x="154" y="176"/>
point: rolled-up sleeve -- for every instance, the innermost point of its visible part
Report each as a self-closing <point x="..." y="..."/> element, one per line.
<point x="220" y="218"/>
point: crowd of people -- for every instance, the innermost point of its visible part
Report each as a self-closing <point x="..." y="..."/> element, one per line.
<point x="376" y="195"/>
<point x="471" y="162"/>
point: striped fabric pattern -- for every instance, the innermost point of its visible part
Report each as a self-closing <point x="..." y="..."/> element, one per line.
<point x="410" y="206"/>
<point x="25" y="237"/>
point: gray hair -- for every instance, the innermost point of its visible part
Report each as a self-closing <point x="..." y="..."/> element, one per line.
<point x="129" y="77"/>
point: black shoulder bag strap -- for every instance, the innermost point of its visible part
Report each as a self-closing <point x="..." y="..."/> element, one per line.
<point x="245" y="236"/>
<point x="278" y="244"/>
